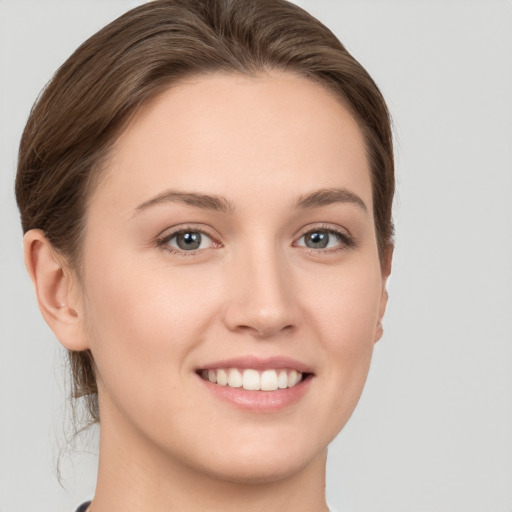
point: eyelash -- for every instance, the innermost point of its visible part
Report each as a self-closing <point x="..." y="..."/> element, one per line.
<point x="163" y="241"/>
<point x="346" y="240"/>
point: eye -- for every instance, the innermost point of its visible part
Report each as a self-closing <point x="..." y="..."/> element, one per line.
<point x="324" y="239"/>
<point x="186" y="240"/>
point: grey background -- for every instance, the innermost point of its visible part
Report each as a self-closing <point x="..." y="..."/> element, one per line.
<point x="433" y="430"/>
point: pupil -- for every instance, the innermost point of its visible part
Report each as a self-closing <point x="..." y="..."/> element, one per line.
<point x="317" y="239"/>
<point x="189" y="241"/>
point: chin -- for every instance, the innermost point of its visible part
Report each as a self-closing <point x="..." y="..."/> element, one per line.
<point x="260" y="470"/>
<point x="265" y="460"/>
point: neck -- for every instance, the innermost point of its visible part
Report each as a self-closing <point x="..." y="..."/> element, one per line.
<point x="143" y="478"/>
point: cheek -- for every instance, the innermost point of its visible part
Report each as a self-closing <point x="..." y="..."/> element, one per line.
<point x="344" y="304"/>
<point x="143" y="316"/>
<point x="142" y="327"/>
<point x="146" y="309"/>
<point x="347" y="316"/>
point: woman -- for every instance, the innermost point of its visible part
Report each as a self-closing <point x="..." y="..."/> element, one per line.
<point x="205" y="191"/>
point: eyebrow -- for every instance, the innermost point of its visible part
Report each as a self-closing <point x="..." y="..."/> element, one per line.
<point x="315" y="199"/>
<point x="203" y="201"/>
<point x="328" y="196"/>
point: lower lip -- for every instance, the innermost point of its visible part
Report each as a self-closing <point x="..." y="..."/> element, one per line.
<point x="260" y="401"/>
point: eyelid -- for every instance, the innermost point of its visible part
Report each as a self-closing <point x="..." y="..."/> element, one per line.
<point x="162" y="240"/>
<point x="346" y="239"/>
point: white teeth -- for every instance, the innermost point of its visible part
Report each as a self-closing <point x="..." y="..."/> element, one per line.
<point x="234" y="378"/>
<point x="222" y="377"/>
<point x="282" y="380"/>
<point x="293" y="378"/>
<point x="253" y="380"/>
<point x="269" y="380"/>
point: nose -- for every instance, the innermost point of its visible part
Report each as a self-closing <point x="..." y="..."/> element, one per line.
<point x="261" y="299"/>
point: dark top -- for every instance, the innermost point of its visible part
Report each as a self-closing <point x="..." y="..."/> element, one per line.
<point x="83" y="507"/>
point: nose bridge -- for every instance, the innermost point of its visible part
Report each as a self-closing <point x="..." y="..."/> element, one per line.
<point x="261" y="298"/>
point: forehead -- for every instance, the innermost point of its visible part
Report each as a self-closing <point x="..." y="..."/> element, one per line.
<point x="222" y="134"/>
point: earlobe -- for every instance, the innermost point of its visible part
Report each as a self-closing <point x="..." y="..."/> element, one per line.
<point x="385" y="272"/>
<point x="379" y="331"/>
<point x="53" y="284"/>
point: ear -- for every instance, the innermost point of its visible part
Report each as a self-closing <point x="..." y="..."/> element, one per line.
<point x="385" y="272"/>
<point x="56" y="290"/>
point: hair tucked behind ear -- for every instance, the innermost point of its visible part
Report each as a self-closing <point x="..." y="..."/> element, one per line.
<point x="98" y="89"/>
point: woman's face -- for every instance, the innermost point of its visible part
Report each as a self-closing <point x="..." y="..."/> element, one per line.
<point x="231" y="238"/>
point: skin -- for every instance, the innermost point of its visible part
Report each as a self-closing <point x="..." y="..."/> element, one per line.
<point x="152" y="317"/>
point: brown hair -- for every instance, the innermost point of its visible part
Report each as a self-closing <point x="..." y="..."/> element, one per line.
<point x="99" y="88"/>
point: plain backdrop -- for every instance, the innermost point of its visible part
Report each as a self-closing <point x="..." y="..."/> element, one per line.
<point x="433" y="430"/>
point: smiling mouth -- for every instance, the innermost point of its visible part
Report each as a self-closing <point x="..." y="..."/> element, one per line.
<point x="254" y="380"/>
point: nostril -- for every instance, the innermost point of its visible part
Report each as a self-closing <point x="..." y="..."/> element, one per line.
<point x="265" y="306"/>
<point x="266" y="330"/>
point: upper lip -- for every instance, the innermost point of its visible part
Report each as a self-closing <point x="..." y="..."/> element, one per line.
<point x="259" y="363"/>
